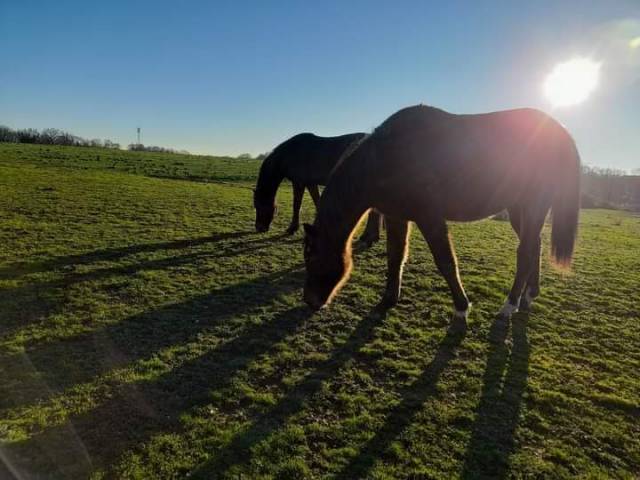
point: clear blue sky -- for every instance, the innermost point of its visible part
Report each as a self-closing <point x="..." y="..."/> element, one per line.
<point x="233" y="77"/>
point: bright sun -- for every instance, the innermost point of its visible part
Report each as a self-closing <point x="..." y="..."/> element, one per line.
<point x="571" y="82"/>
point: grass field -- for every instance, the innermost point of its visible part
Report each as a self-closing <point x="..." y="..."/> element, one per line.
<point x="147" y="332"/>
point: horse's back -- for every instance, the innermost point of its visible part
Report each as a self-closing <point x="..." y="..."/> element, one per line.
<point x="472" y="165"/>
<point x="309" y="159"/>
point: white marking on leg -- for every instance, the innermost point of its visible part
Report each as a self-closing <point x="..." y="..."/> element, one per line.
<point x="527" y="296"/>
<point x="463" y="314"/>
<point x="508" y="309"/>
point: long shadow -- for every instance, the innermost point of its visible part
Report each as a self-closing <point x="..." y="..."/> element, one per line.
<point x="61" y="364"/>
<point x="133" y="413"/>
<point x="18" y="269"/>
<point x="27" y="304"/>
<point x="492" y="441"/>
<point x="238" y="450"/>
<point x="413" y="397"/>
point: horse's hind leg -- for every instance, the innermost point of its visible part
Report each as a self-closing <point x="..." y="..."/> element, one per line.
<point x="436" y="234"/>
<point x="397" y="243"/>
<point x="528" y="254"/>
<point x="532" y="285"/>
<point x="298" y="192"/>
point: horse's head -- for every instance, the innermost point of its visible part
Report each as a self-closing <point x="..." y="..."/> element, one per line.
<point x="327" y="269"/>
<point x="265" y="211"/>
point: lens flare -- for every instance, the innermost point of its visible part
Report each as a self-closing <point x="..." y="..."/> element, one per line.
<point x="571" y="82"/>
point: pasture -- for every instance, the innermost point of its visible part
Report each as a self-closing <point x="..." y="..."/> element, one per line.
<point x="146" y="331"/>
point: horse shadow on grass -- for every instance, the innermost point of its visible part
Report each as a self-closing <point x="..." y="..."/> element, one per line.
<point x="30" y="303"/>
<point x="18" y="269"/>
<point x="238" y="450"/>
<point x="492" y="440"/>
<point x="44" y="369"/>
<point x="126" y="415"/>
<point x="414" y="396"/>
<point x="505" y="380"/>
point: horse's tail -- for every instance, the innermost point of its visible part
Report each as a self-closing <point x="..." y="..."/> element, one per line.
<point x="566" y="206"/>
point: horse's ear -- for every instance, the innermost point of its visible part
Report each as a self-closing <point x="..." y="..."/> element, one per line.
<point x="309" y="229"/>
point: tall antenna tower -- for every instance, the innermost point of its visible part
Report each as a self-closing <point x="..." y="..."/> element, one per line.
<point x="139" y="136"/>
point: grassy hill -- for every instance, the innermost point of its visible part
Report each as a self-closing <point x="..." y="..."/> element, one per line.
<point x="163" y="165"/>
<point x="147" y="332"/>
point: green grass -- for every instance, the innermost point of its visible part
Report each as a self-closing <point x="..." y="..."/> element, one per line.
<point x="147" y="332"/>
<point x="163" y="165"/>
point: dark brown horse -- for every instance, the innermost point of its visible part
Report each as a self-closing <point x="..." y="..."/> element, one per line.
<point x="428" y="166"/>
<point x="307" y="160"/>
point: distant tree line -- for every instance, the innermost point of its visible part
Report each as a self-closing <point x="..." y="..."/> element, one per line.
<point x="139" y="147"/>
<point x="51" y="136"/>
<point x="610" y="188"/>
<point x="247" y="156"/>
<point x="54" y="136"/>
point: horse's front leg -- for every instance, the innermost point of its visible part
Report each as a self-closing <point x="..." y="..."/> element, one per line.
<point x="436" y="234"/>
<point x="371" y="232"/>
<point x="527" y="264"/>
<point x="315" y="194"/>
<point x="397" y="248"/>
<point x="298" y="192"/>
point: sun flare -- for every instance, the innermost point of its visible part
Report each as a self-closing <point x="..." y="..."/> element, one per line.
<point x="571" y="82"/>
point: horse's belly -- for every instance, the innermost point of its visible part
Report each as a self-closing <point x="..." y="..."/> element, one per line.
<point x="466" y="208"/>
<point x="417" y="204"/>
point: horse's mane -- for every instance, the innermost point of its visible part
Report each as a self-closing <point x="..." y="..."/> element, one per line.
<point x="404" y="120"/>
<point x="267" y="174"/>
<point x="335" y="205"/>
<point x="350" y="149"/>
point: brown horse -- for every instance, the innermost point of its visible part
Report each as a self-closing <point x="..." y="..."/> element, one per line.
<point x="428" y="166"/>
<point x="307" y="160"/>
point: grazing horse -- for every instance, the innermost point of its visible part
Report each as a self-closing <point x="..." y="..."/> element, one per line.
<point x="429" y="166"/>
<point x="307" y="160"/>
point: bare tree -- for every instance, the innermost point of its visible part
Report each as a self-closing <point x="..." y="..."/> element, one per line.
<point x="7" y="135"/>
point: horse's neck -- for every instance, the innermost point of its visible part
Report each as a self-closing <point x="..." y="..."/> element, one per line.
<point x="343" y="209"/>
<point x="270" y="178"/>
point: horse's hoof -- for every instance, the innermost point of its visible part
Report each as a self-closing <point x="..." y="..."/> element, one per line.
<point x="291" y="230"/>
<point x="459" y="319"/>
<point x="458" y="325"/>
<point x="507" y="309"/>
<point x="388" y="301"/>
